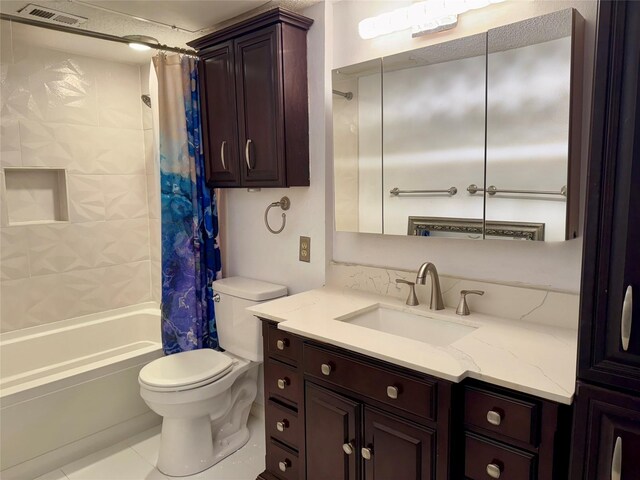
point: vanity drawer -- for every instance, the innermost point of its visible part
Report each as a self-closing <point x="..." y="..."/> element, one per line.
<point x="412" y="395"/>
<point x="513" y="418"/>
<point x="282" y="462"/>
<point x="282" y="380"/>
<point x="283" y="345"/>
<point x="282" y="424"/>
<point x="485" y="459"/>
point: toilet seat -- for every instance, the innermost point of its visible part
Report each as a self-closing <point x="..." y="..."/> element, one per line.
<point x="185" y="370"/>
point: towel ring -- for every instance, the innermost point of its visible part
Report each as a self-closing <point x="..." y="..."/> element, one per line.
<point x="284" y="204"/>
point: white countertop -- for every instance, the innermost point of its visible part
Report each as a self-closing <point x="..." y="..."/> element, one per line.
<point x="527" y="357"/>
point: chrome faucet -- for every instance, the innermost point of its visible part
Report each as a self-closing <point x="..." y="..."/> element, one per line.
<point x="428" y="268"/>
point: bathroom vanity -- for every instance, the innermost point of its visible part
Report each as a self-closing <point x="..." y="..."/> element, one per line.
<point x="347" y="399"/>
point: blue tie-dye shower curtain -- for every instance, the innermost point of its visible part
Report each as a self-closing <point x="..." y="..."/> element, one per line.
<point x="190" y="253"/>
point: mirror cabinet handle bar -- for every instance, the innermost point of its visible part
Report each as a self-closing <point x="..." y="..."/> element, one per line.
<point x="247" y="153"/>
<point x="627" y="318"/>
<point x="396" y="191"/>
<point x="492" y="190"/>
<point x="616" y="460"/>
<point x="224" y="166"/>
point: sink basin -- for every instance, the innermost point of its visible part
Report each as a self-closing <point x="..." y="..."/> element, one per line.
<point x="408" y="325"/>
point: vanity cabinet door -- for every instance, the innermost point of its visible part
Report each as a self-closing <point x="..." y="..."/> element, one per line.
<point x="333" y="446"/>
<point x="259" y="85"/>
<point x="219" y="116"/>
<point x="397" y="449"/>
<point x="608" y="443"/>
<point x="610" y="300"/>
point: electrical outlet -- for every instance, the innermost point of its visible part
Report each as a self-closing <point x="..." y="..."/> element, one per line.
<point x="305" y="249"/>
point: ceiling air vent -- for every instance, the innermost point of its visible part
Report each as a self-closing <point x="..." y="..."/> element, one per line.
<point x="49" y="15"/>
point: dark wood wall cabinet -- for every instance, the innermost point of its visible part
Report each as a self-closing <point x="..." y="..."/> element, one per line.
<point x="255" y="119"/>
<point x="607" y="422"/>
<point x="334" y="414"/>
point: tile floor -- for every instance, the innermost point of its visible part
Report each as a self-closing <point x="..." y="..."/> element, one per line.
<point x="135" y="458"/>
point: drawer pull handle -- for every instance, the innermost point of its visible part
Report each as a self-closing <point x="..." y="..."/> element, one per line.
<point x="247" y="153"/>
<point x="281" y="426"/>
<point x="493" y="470"/>
<point x="326" y="369"/>
<point x="348" y="448"/>
<point x="392" y="392"/>
<point x="494" y="418"/>
<point x="282" y="344"/>
<point x="284" y="465"/>
<point x="224" y="166"/>
<point x="366" y="453"/>
<point x="627" y="318"/>
<point x="282" y="383"/>
<point x="616" y="461"/>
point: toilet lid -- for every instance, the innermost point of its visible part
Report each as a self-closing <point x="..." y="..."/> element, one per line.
<point x="186" y="369"/>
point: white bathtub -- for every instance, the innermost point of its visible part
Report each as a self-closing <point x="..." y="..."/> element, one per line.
<point x="71" y="387"/>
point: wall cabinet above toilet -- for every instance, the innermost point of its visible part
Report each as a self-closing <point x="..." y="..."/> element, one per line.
<point x="253" y="84"/>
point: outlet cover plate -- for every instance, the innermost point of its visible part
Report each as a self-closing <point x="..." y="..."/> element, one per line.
<point x="305" y="249"/>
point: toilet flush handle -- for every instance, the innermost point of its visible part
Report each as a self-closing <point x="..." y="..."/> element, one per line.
<point x="216" y="297"/>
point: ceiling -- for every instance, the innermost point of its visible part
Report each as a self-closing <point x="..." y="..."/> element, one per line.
<point x="190" y="15"/>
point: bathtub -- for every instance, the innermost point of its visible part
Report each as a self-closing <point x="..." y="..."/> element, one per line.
<point x="70" y="387"/>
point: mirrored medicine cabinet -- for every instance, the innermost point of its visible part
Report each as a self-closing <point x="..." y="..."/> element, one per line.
<point x="475" y="138"/>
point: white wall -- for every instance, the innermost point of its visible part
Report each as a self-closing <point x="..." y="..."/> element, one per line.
<point x="84" y="115"/>
<point x="556" y="265"/>
<point x="248" y="248"/>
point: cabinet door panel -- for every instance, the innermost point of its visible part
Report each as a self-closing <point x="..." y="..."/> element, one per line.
<point x="332" y="421"/>
<point x="610" y="334"/>
<point x="399" y="449"/>
<point x="611" y="418"/>
<point x="260" y="113"/>
<point x="219" y="116"/>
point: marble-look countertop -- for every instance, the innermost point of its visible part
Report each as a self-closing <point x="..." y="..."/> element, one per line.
<point x="527" y="357"/>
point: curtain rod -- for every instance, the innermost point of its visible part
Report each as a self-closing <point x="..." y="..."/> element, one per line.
<point x="91" y="33"/>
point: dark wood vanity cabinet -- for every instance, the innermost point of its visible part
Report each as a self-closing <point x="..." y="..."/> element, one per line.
<point x="253" y="78"/>
<point x="335" y="414"/>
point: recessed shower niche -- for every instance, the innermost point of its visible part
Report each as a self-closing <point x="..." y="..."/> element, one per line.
<point x="35" y="195"/>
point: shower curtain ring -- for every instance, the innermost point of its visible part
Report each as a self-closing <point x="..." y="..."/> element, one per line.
<point x="284" y="204"/>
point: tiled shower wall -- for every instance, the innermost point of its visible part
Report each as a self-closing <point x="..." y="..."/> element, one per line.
<point x="84" y="115"/>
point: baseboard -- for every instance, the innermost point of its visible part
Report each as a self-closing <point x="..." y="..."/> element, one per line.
<point x="81" y="448"/>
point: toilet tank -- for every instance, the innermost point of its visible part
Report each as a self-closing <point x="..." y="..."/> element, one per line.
<point x="239" y="332"/>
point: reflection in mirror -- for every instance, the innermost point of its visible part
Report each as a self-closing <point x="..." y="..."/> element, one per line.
<point x="357" y="147"/>
<point x="531" y="166"/>
<point x="433" y="124"/>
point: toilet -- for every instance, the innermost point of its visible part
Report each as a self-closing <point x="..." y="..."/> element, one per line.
<point x="205" y="396"/>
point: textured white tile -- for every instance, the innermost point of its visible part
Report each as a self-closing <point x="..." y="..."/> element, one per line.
<point x="13" y="303"/>
<point x="55" y="475"/>
<point x="123" y="285"/>
<point x="35" y="195"/>
<point x="127" y="241"/>
<point x="14" y="253"/>
<point x="112" y="463"/>
<point x="119" y="151"/>
<point x="119" y="96"/>
<point x="125" y="196"/>
<point x="86" y="198"/>
<point x="10" y="155"/>
<point x="6" y="50"/>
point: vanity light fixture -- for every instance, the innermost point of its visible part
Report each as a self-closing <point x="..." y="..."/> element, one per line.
<point x="421" y="17"/>
<point x="138" y="42"/>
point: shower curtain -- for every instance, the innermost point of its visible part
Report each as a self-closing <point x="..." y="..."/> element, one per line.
<point x="190" y="252"/>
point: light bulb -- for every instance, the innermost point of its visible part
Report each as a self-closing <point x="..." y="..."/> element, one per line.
<point x="139" y="46"/>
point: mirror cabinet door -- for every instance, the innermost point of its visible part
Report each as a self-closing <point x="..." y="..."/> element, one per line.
<point x="433" y="142"/>
<point x="530" y="156"/>
<point x="357" y="147"/>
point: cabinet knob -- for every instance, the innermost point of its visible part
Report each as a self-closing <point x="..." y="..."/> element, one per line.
<point x="494" y="470"/>
<point x="348" y="448"/>
<point x="392" y="392"/>
<point x="325" y="368"/>
<point x="366" y="453"/>
<point x="494" y="418"/>
<point x="282" y="383"/>
<point x="283" y="465"/>
<point x="282" y="344"/>
<point x="281" y="426"/>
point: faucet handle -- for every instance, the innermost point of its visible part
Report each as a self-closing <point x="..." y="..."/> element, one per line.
<point x="412" y="299"/>
<point x="463" y="308"/>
